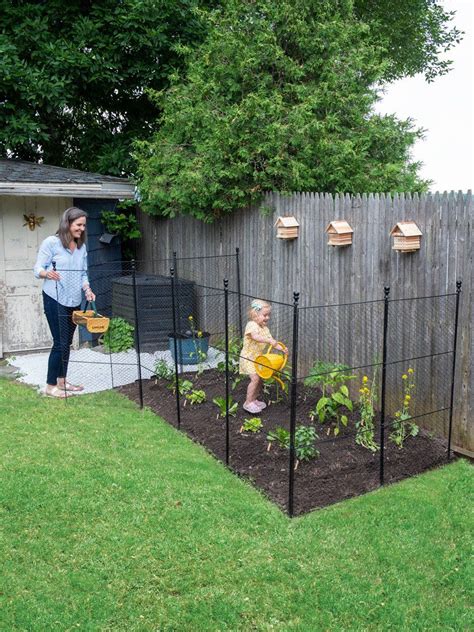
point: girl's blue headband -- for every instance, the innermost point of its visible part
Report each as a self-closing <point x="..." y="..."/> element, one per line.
<point x="256" y="306"/>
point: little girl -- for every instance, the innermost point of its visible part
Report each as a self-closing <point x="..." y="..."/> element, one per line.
<point x="257" y="337"/>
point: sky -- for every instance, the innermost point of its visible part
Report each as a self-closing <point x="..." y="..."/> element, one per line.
<point x="444" y="108"/>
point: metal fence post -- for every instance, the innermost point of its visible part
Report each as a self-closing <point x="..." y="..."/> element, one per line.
<point x="453" y="369"/>
<point x="294" y="376"/>
<point x="137" y="332"/>
<point x="178" y="305"/>
<point x="175" y="346"/>
<point x="226" y="325"/>
<point x="237" y="259"/>
<point x="386" y="292"/>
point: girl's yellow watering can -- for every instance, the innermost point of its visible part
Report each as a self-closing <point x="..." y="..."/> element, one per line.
<point x="267" y="363"/>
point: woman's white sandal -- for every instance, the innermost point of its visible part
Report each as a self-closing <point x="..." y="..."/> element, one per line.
<point x="71" y="387"/>
<point x="57" y="392"/>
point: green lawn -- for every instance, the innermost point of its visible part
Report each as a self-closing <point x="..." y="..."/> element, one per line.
<point x="112" y="520"/>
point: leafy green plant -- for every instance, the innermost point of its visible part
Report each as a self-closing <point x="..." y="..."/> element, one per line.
<point x="365" y="423"/>
<point x="254" y="424"/>
<point x="305" y="438"/>
<point x="119" y="336"/>
<point x="274" y="391"/>
<point x="184" y="386"/>
<point x="221" y="404"/>
<point x="196" y="397"/>
<point x="235" y="347"/>
<point x="279" y="436"/>
<point x="402" y="427"/>
<point x="163" y="371"/>
<point x="124" y="224"/>
<point x="328" y="376"/>
<point x="195" y="334"/>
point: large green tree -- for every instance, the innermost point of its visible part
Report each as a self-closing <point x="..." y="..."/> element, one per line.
<point x="74" y="75"/>
<point x="279" y="97"/>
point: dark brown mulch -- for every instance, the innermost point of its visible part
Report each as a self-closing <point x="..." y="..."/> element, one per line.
<point x="342" y="470"/>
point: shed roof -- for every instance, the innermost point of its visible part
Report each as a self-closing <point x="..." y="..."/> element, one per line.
<point x="19" y="177"/>
<point x="407" y="229"/>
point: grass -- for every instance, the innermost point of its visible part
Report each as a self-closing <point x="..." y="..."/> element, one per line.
<point x="111" y="520"/>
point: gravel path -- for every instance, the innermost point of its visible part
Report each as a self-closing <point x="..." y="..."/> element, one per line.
<point x="99" y="371"/>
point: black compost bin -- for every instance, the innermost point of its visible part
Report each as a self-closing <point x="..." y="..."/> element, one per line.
<point x="154" y="305"/>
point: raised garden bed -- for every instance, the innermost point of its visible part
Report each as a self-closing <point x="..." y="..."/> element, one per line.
<point x="342" y="470"/>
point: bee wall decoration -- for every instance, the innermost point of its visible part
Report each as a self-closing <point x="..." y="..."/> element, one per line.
<point x="32" y="221"/>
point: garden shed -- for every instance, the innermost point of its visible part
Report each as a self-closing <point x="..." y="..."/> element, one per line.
<point x="32" y="199"/>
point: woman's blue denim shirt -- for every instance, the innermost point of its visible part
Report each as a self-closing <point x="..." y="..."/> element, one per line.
<point x="71" y="265"/>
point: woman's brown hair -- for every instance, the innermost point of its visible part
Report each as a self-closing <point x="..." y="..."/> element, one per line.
<point x="64" y="233"/>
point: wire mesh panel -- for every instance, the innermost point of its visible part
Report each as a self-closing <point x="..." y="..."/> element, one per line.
<point x="420" y="347"/>
<point x="348" y="396"/>
<point x="107" y="356"/>
<point x="339" y="374"/>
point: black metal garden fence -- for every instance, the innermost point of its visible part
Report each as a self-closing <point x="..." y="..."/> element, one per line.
<point x="366" y="397"/>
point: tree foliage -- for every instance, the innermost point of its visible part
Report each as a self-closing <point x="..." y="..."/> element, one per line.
<point x="279" y="97"/>
<point x="74" y="75"/>
<point x="411" y="34"/>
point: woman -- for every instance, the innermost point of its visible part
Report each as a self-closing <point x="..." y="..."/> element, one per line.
<point x="62" y="263"/>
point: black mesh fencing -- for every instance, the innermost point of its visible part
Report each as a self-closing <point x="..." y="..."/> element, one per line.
<point x="354" y="395"/>
<point x="107" y="342"/>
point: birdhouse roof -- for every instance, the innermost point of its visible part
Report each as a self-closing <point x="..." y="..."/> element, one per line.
<point x="407" y="229"/>
<point x="288" y="221"/>
<point x="339" y="226"/>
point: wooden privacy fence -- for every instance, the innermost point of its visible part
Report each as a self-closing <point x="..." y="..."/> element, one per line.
<point x="325" y="275"/>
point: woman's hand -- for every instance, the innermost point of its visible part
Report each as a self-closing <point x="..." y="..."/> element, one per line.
<point x="90" y="296"/>
<point x="52" y="275"/>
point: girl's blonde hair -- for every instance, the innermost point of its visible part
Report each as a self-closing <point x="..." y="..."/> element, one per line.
<point x="255" y="307"/>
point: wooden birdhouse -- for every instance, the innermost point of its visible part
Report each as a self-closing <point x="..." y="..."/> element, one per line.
<point x="287" y="227"/>
<point x="406" y="236"/>
<point x="340" y="233"/>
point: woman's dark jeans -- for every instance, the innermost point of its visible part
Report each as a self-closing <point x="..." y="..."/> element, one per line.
<point x="62" y="328"/>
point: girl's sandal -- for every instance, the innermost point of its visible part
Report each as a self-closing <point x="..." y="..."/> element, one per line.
<point x="72" y="388"/>
<point x="57" y="392"/>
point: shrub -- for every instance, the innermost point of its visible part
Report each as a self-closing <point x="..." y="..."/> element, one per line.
<point x="119" y="336"/>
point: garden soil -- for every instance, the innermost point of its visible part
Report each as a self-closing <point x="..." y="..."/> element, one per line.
<point x="342" y="470"/>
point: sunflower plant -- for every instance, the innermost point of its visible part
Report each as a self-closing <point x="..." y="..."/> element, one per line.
<point x="402" y="427"/>
<point x="365" y="424"/>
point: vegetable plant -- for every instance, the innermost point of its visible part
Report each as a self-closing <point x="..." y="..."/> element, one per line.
<point x="196" y="397"/>
<point x="235" y="347"/>
<point x="254" y="424"/>
<point x="163" y="370"/>
<point x="402" y="427"/>
<point x="365" y="424"/>
<point x="331" y="378"/>
<point x="279" y="436"/>
<point x="305" y="437"/>
<point x="184" y="386"/>
<point x="277" y="394"/>
<point x="221" y="404"/>
<point x="200" y="355"/>
<point x="119" y="336"/>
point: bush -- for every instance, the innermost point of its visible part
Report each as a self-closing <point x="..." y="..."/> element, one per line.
<point x="119" y="336"/>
